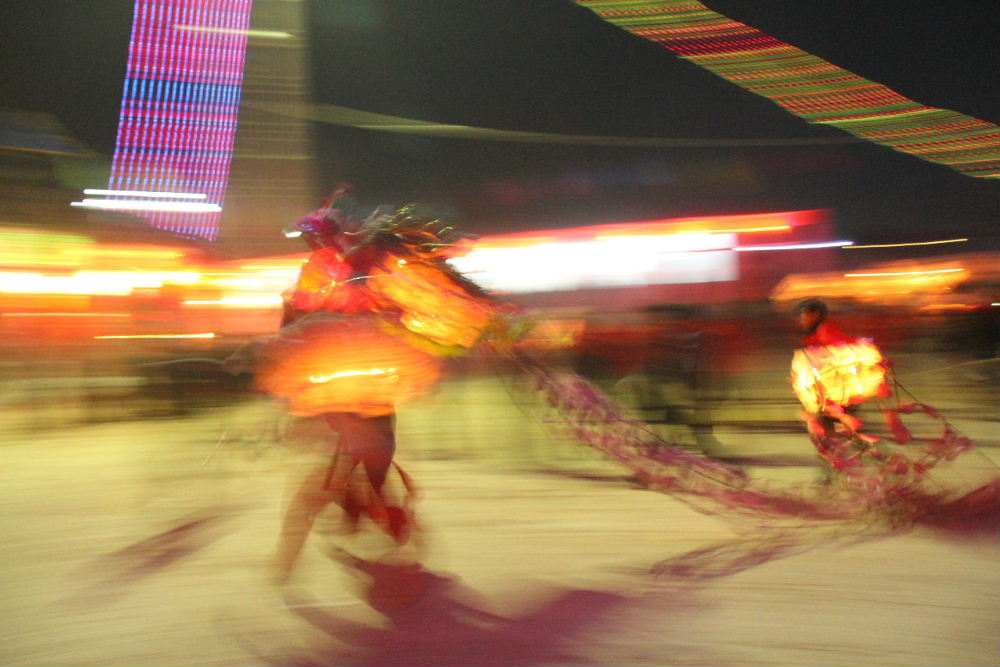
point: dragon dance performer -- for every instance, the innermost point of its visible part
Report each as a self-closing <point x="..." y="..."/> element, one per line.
<point x="375" y="310"/>
<point x="833" y="375"/>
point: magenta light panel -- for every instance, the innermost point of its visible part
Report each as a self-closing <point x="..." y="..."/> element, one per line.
<point x="180" y="107"/>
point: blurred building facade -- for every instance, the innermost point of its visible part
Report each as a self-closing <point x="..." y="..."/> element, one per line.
<point x="273" y="174"/>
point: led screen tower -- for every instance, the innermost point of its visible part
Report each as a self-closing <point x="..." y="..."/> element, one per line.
<point x="179" y="112"/>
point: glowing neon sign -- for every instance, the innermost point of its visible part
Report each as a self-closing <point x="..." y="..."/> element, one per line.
<point x="179" y="110"/>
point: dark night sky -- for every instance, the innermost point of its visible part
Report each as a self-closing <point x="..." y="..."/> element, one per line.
<point x="551" y="66"/>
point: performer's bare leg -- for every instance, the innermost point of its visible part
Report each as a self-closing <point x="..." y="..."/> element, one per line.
<point x="366" y="441"/>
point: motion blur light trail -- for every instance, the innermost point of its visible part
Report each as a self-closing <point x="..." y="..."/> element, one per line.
<point x="744" y="230"/>
<point x="132" y="288"/>
<point x="142" y="193"/>
<point x="367" y="120"/>
<point x="902" y="245"/>
<point x="139" y="205"/>
<point x="808" y="86"/>
<point x="152" y="336"/>
<point x="900" y="273"/>
<point x="795" y="246"/>
<point x="928" y="284"/>
<point x="671" y="251"/>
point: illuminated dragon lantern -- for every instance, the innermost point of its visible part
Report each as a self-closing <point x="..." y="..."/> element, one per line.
<point x="375" y="310"/>
<point x="832" y="379"/>
<point x="827" y="379"/>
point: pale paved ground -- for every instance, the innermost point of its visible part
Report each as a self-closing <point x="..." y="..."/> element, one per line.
<point x="127" y="544"/>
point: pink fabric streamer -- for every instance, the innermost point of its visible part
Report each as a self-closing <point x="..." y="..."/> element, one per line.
<point x="871" y="484"/>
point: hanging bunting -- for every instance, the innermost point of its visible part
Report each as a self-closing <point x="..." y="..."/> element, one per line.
<point x="808" y="86"/>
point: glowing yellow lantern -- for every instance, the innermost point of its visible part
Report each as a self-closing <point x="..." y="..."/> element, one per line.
<point x="329" y="362"/>
<point x="844" y="374"/>
<point x="433" y="304"/>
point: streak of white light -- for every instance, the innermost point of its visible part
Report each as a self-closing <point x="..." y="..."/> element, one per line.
<point x="138" y="205"/>
<point x="144" y="193"/>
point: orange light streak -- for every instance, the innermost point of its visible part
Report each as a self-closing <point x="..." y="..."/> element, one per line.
<point x="948" y="306"/>
<point x="108" y="283"/>
<point x="265" y="300"/>
<point x="900" y="245"/>
<point x="721" y="224"/>
<point x="741" y="230"/>
<point x="272" y="268"/>
<point x="64" y="315"/>
<point x="900" y="273"/>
